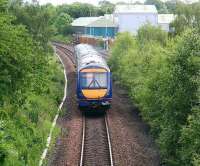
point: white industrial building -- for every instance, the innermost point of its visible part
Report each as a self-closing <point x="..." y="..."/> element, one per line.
<point x="164" y="21"/>
<point x="132" y="17"/>
<point x="126" y="17"/>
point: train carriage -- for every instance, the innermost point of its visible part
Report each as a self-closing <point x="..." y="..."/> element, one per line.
<point x="94" y="85"/>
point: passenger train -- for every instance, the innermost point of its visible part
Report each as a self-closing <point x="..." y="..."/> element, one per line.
<point x="94" y="84"/>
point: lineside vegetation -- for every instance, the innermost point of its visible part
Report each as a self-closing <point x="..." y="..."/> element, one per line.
<point x="31" y="85"/>
<point x="161" y="75"/>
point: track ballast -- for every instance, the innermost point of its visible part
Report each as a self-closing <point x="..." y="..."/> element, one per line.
<point x="96" y="146"/>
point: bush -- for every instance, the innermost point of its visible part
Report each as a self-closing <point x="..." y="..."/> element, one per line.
<point x="31" y="82"/>
<point x="190" y="140"/>
<point x="161" y="77"/>
<point x="149" y="33"/>
<point x="120" y="49"/>
<point x="60" y="38"/>
<point x="24" y="129"/>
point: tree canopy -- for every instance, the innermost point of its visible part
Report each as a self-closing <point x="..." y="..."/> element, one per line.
<point x="187" y="16"/>
<point x="30" y="81"/>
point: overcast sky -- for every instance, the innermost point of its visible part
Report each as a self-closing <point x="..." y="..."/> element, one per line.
<point x="94" y="2"/>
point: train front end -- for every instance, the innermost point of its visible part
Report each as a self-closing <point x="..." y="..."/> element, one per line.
<point x="94" y="88"/>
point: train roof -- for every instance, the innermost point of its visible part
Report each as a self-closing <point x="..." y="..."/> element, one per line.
<point x="87" y="56"/>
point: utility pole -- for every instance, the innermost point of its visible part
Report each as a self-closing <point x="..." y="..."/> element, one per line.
<point x="90" y="24"/>
<point x="106" y="35"/>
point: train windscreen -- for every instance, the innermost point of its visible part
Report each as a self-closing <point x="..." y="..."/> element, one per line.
<point x="94" y="80"/>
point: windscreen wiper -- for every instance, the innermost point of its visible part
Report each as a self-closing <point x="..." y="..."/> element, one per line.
<point x="97" y="83"/>
<point x="93" y="82"/>
<point x="90" y="84"/>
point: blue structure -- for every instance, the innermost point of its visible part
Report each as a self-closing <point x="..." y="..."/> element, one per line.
<point x="102" y="31"/>
<point x="104" y="26"/>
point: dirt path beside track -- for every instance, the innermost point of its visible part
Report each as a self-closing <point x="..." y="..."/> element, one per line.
<point x="67" y="149"/>
<point x="131" y="143"/>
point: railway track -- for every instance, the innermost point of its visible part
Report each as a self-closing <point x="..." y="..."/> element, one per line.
<point x="96" y="144"/>
<point x="66" y="49"/>
<point x="69" y="49"/>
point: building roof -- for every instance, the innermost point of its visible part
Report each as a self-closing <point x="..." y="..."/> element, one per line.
<point x="83" y="21"/>
<point x="103" y="21"/>
<point x="123" y="9"/>
<point x="165" y="18"/>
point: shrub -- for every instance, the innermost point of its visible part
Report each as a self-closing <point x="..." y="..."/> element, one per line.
<point x="161" y="77"/>
<point x="190" y="140"/>
<point x="149" y="33"/>
<point x="31" y="82"/>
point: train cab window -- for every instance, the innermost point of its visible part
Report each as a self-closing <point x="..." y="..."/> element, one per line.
<point x="94" y="80"/>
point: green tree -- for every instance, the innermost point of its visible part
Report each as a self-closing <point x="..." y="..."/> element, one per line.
<point x="78" y="9"/>
<point x="121" y="48"/>
<point x="149" y="33"/>
<point x="171" y="5"/>
<point x="63" y="24"/>
<point x="160" y="6"/>
<point x="30" y="82"/>
<point x="163" y="81"/>
<point x="3" y="5"/>
<point x="106" y="7"/>
<point x="36" y="19"/>
<point x="188" y="16"/>
<point x="190" y="140"/>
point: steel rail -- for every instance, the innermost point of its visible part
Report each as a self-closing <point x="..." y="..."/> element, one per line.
<point x="66" y="51"/>
<point x="64" y="47"/>
<point x="83" y="140"/>
<point x="108" y="139"/>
